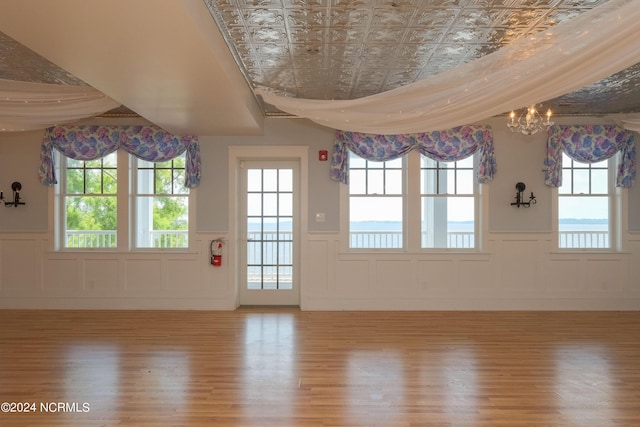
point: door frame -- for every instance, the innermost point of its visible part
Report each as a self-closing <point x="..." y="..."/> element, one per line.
<point x="238" y="154"/>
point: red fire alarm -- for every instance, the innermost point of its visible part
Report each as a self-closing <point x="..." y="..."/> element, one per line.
<point x="323" y="155"/>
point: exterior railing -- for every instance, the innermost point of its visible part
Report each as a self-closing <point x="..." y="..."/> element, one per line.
<point x="393" y="239"/>
<point x="584" y="239"/>
<point x="77" y="239"/>
<point x="466" y="239"/>
<point x="358" y="239"/>
<point x="90" y="238"/>
<point x="375" y="239"/>
<point x="270" y="259"/>
<point x="170" y="238"/>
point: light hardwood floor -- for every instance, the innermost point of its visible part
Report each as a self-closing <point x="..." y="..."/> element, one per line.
<point x="283" y="367"/>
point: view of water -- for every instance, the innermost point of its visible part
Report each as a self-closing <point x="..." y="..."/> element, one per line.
<point x="566" y="225"/>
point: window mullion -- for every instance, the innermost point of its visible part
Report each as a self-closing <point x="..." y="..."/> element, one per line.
<point x="412" y="201"/>
<point x="123" y="200"/>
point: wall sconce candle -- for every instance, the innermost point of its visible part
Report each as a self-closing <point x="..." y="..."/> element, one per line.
<point x="520" y="197"/>
<point x="16" y="187"/>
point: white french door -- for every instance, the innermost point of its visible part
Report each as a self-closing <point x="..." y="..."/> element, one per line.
<point x="269" y="211"/>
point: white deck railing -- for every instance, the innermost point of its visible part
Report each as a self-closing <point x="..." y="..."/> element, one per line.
<point x="584" y="239"/>
<point x="90" y="238"/>
<point x="393" y="239"/>
<point x="358" y="239"/>
<point x="466" y="239"/>
<point x="77" y="239"/>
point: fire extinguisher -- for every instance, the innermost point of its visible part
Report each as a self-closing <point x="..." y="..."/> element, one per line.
<point x="215" y="248"/>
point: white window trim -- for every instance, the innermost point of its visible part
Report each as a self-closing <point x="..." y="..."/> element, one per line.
<point x="411" y="216"/>
<point x="617" y="215"/>
<point x="125" y="212"/>
<point x="131" y="222"/>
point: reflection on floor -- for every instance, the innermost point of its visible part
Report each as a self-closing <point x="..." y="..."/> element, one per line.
<point x="284" y="367"/>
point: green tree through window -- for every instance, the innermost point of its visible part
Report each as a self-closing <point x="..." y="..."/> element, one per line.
<point x="158" y="208"/>
<point x="90" y="203"/>
<point x="162" y="204"/>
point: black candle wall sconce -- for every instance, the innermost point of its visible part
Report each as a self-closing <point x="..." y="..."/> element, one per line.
<point x="520" y="197"/>
<point x="16" y="187"/>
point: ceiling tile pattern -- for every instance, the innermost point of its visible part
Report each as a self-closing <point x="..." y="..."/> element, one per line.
<point x="19" y="63"/>
<point x="338" y="49"/>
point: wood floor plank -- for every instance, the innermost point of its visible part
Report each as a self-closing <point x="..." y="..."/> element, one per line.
<point x="284" y="367"/>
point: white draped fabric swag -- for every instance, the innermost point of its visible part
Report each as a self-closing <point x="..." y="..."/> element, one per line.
<point x="26" y="106"/>
<point x="544" y="66"/>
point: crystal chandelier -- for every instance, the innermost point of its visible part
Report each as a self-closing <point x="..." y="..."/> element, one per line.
<point x="529" y="123"/>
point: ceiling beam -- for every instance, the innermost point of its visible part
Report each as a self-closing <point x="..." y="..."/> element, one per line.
<point x="164" y="59"/>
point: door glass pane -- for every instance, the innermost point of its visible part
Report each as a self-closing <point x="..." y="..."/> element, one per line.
<point x="270" y="204"/>
<point x="254" y="180"/>
<point x="285" y="183"/>
<point x="270" y="230"/>
<point x="285" y="205"/>
<point x="254" y="204"/>
<point x="270" y="180"/>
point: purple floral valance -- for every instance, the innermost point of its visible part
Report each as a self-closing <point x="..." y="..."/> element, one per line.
<point x="149" y="143"/>
<point x="588" y="144"/>
<point x="445" y="146"/>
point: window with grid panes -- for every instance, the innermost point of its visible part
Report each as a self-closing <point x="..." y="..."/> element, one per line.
<point x="161" y="204"/>
<point x="88" y="202"/>
<point x="448" y="203"/>
<point x="584" y="203"/>
<point x="376" y="199"/>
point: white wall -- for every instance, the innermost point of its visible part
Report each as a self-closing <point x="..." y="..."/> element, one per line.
<point x="517" y="269"/>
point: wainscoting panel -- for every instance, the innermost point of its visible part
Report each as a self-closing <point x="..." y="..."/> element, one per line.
<point x="520" y="265"/>
<point x="352" y="279"/>
<point x="317" y="280"/>
<point x="182" y="275"/>
<point x="394" y="277"/>
<point x="604" y="276"/>
<point x="144" y="276"/>
<point x="565" y="275"/>
<point x="63" y="276"/>
<point x="101" y="277"/>
<point x="632" y="285"/>
<point x="437" y="277"/>
<point x="20" y="265"/>
<point x="515" y="272"/>
<point x="475" y="278"/>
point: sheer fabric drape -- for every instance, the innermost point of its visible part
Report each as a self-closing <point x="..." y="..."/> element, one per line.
<point x="445" y="146"/>
<point x="567" y="57"/>
<point x="149" y="143"/>
<point x="28" y="106"/>
<point x="588" y="144"/>
<point x="627" y="121"/>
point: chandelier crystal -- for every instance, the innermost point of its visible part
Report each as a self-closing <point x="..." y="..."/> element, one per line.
<point x="530" y="122"/>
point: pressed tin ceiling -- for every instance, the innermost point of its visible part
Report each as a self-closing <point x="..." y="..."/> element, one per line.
<point x="21" y="64"/>
<point x="323" y="49"/>
<point x="339" y="49"/>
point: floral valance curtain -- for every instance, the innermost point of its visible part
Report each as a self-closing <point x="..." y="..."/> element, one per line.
<point x="588" y="144"/>
<point x="149" y="143"/>
<point x="445" y="146"/>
